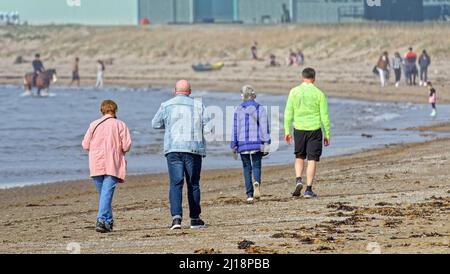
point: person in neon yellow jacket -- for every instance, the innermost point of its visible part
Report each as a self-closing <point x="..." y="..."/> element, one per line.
<point x="307" y="109"/>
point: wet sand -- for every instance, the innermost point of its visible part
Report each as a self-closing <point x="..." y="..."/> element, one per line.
<point x="336" y="82"/>
<point x="397" y="197"/>
<point x="444" y="127"/>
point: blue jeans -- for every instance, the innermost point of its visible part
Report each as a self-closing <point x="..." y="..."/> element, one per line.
<point x="251" y="164"/>
<point x="105" y="186"/>
<point x="184" y="165"/>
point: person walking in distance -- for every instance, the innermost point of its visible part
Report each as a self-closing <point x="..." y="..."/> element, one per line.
<point x="75" y="73"/>
<point x="254" y="50"/>
<point x="432" y="98"/>
<point x="100" y="74"/>
<point x="383" y="66"/>
<point x="307" y="109"/>
<point x="397" y="63"/>
<point x="424" y="63"/>
<point x="410" y="66"/>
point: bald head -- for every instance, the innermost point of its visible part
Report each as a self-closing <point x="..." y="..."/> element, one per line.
<point x="183" y="87"/>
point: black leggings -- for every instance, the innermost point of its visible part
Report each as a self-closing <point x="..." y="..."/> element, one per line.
<point x="433" y="105"/>
<point x="424" y="74"/>
<point x="398" y="75"/>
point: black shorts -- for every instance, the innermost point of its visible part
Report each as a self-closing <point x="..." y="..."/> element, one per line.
<point x="75" y="76"/>
<point x="308" y="144"/>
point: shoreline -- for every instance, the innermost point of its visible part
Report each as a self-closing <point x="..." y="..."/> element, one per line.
<point x="439" y="128"/>
<point x="404" y="94"/>
<point x="432" y="127"/>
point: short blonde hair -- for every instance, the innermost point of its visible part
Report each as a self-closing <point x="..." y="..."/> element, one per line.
<point x="108" y="107"/>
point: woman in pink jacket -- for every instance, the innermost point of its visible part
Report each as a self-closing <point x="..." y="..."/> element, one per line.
<point x="107" y="140"/>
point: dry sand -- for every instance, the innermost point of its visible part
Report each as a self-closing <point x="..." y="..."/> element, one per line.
<point x="397" y="197"/>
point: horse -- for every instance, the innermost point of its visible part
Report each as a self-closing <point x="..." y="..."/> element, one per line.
<point x="43" y="81"/>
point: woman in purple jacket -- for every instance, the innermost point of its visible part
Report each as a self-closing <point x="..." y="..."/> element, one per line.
<point x="251" y="139"/>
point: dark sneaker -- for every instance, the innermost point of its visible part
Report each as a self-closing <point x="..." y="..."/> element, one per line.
<point x="176" y="224"/>
<point x="310" y="194"/>
<point x="100" y="227"/>
<point x="104" y="227"/>
<point x="109" y="227"/>
<point x="197" y="223"/>
<point x="298" y="189"/>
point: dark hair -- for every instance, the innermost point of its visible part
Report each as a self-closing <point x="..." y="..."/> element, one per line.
<point x="309" y="73"/>
<point x="410" y="48"/>
<point x="77" y="59"/>
<point x="101" y="63"/>
<point x="429" y="84"/>
<point x="37" y="55"/>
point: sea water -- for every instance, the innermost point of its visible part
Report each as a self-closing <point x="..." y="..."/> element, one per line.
<point x="41" y="136"/>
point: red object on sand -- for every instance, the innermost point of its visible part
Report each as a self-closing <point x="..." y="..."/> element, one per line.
<point x="145" y="21"/>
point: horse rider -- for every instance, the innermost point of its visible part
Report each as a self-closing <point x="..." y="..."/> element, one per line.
<point x="38" y="67"/>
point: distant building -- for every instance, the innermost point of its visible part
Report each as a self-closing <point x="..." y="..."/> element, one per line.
<point x="131" y="12"/>
<point x="251" y="11"/>
<point x="394" y="10"/>
<point x="92" y="12"/>
<point x="436" y="10"/>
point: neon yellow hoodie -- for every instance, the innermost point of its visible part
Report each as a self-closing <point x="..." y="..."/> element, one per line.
<point x="307" y="107"/>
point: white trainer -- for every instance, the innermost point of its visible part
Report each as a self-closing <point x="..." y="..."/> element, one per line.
<point x="256" y="191"/>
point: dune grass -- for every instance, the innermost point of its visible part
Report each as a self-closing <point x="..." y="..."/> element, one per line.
<point x="347" y="42"/>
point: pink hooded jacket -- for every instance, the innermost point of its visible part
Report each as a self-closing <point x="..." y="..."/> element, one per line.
<point x="107" y="147"/>
<point x="432" y="99"/>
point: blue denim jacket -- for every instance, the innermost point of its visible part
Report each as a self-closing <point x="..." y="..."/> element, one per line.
<point x="183" y="119"/>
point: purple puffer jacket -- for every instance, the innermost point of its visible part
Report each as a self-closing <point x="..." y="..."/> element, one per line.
<point x="250" y="128"/>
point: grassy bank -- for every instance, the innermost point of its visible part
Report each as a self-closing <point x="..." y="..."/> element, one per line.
<point x="343" y="42"/>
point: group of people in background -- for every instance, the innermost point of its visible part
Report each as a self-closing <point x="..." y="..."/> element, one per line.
<point x="294" y="57"/>
<point x="408" y="64"/>
<point x="108" y="140"/>
<point x="38" y="68"/>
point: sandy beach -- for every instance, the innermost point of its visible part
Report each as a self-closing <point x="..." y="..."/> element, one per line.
<point x="395" y="197"/>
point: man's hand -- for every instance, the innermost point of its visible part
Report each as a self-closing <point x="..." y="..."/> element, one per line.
<point x="288" y="139"/>
<point x="326" y="142"/>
